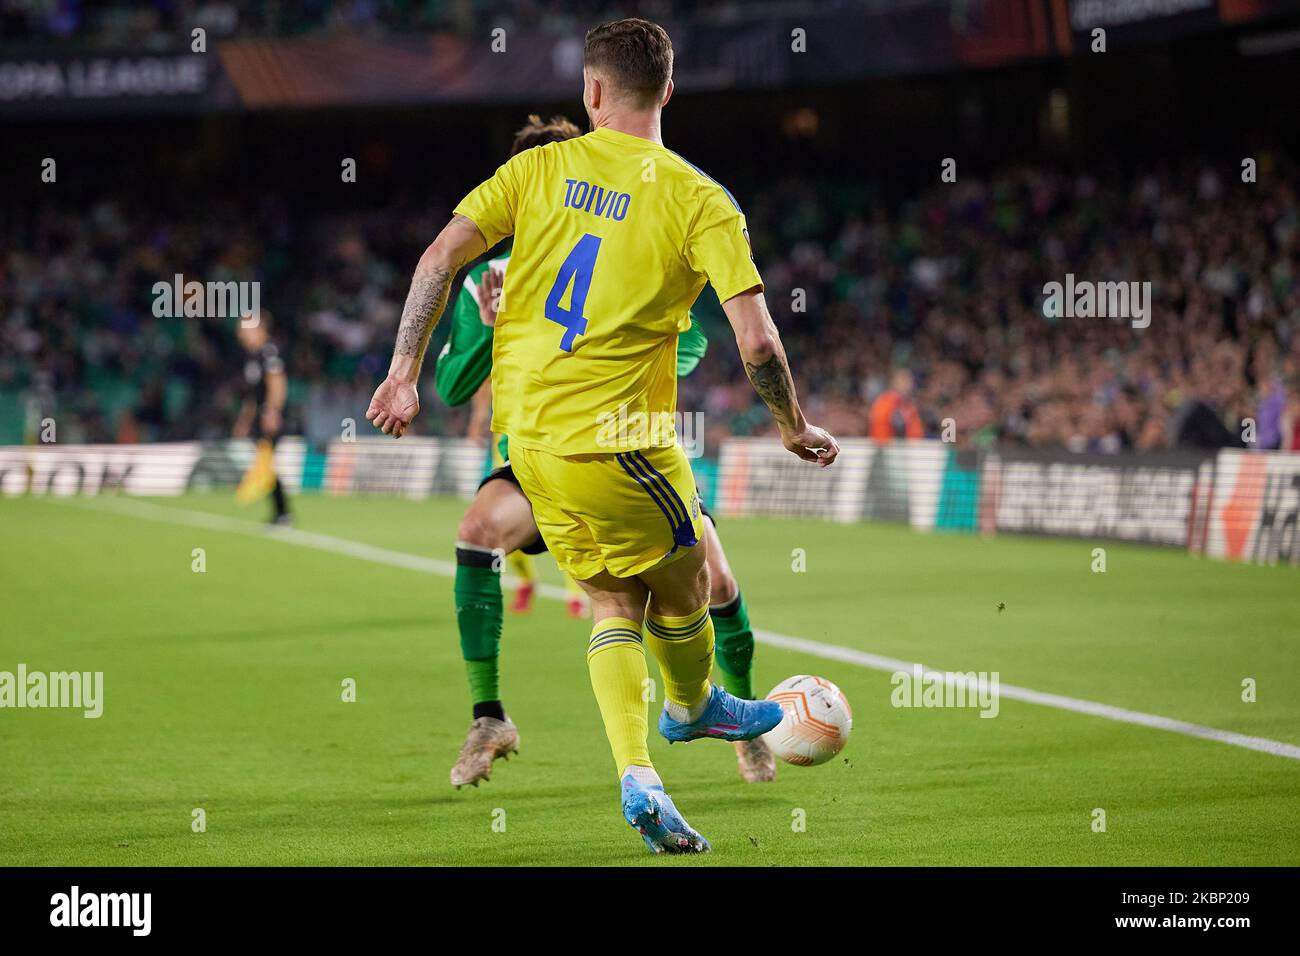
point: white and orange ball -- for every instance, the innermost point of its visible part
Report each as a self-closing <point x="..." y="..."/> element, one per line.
<point x="816" y="724"/>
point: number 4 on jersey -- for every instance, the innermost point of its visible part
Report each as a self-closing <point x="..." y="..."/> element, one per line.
<point x="576" y="268"/>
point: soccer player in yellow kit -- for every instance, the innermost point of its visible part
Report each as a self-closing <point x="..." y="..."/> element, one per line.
<point x="614" y="237"/>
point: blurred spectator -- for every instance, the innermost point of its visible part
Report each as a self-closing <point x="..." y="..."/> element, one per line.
<point x="893" y="414"/>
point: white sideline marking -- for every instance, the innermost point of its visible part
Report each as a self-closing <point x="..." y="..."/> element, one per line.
<point x="849" y="655"/>
<point x="830" y="652"/>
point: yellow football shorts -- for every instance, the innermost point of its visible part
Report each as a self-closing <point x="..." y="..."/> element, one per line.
<point x="623" y="513"/>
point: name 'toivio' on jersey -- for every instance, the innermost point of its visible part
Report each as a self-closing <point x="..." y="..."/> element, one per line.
<point x="615" y="236"/>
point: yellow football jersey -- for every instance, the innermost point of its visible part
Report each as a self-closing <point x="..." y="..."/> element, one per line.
<point x="615" y="236"/>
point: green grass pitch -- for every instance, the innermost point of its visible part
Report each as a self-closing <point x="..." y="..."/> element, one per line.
<point x="223" y="692"/>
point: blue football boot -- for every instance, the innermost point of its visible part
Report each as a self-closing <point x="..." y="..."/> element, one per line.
<point x="651" y="812"/>
<point x="724" y="718"/>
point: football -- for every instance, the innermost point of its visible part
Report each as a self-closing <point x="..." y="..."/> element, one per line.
<point x="816" y="724"/>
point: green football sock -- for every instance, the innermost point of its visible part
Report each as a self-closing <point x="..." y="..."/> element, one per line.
<point x="478" y="616"/>
<point x="734" y="646"/>
<point x="483" y="687"/>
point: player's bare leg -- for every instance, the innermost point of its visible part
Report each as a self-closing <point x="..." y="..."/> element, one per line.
<point x="498" y="521"/>
<point x="735" y="649"/>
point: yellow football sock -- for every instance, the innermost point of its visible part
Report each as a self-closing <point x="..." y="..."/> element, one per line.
<point x="684" y="648"/>
<point x="616" y="661"/>
<point x="522" y="565"/>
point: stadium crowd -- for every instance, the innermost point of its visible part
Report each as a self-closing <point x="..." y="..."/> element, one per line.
<point x="951" y="287"/>
<point x="896" y="316"/>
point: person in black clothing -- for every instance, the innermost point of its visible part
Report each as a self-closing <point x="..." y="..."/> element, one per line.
<point x="265" y="387"/>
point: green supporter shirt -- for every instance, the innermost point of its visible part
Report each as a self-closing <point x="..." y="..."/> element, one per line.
<point x="465" y="361"/>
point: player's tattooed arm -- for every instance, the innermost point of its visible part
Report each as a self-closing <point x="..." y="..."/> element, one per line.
<point x="424" y="304"/>
<point x="775" y="386"/>
<point x="458" y="243"/>
<point x="396" y="401"/>
<point x="764" y="357"/>
<point x="769" y="372"/>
